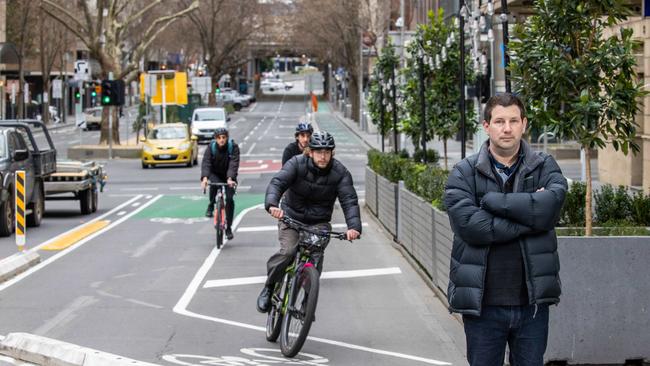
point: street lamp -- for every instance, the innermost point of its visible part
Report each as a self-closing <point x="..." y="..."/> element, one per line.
<point x="461" y="18"/>
<point x="506" y="57"/>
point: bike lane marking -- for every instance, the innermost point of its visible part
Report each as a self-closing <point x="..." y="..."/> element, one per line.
<point x="182" y="304"/>
<point x="325" y="275"/>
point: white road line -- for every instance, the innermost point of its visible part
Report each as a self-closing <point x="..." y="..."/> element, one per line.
<point x="135" y="204"/>
<point x="251" y="148"/>
<point x="143" y="303"/>
<point x="192" y="288"/>
<point x="139" y="189"/>
<point x="324" y="275"/>
<point x="248" y="229"/>
<point x="78" y="244"/>
<point x="66" y="315"/>
<point x="150" y="244"/>
<point x="184" y="188"/>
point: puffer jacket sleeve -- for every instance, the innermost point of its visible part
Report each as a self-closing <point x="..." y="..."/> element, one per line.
<point x="286" y="154"/>
<point x="349" y="202"/>
<point x="233" y="164"/>
<point x="206" y="163"/>
<point x="280" y="183"/>
<point x="540" y="210"/>
<point x="473" y="224"/>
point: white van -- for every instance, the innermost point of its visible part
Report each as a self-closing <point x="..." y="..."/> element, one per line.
<point x="206" y="120"/>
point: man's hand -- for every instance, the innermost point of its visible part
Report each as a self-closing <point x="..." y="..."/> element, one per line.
<point x="204" y="183"/>
<point x="540" y="190"/>
<point x="231" y="183"/>
<point x="352" y="234"/>
<point x="276" y="212"/>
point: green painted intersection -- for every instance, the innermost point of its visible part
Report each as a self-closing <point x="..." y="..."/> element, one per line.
<point x="191" y="206"/>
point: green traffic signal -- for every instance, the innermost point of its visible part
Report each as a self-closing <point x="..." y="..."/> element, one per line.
<point x="93" y="93"/>
<point x="77" y="95"/>
<point x="106" y="100"/>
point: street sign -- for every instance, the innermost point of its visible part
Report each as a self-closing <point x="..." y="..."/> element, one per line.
<point x="57" y="89"/>
<point x="46" y="98"/>
<point x="202" y="85"/>
<point x="13" y="93"/>
<point x="26" y="93"/>
<point x="175" y="88"/>
<point x="82" y="70"/>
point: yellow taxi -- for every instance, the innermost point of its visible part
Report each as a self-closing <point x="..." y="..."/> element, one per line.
<point x="169" y="143"/>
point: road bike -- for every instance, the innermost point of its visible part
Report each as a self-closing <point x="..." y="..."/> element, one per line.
<point x="293" y="301"/>
<point x="219" y="214"/>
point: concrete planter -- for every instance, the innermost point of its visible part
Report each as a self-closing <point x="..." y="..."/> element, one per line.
<point x="371" y="190"/>
<point x="603" y="316"/>
<point x="444" y="241"/>
<point x="387" y="204"/>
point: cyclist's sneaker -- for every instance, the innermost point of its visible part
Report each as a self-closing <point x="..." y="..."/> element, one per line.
<point x="264" y="300"/>
<point x="208" y="212"/>
<point x="229" y="234"/>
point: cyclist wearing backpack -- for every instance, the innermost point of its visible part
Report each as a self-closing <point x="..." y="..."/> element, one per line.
<point x="220" y="164"/>
<point x="302" y="135"/>
<point x="310" y="185"/>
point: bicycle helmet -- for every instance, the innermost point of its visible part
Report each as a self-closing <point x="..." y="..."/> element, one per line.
<point x="304" y="127"/>
<point x="221" y="131"/>
<point x="321" y="140"/>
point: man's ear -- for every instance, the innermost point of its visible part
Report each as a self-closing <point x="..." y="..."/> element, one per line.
<point x="486" y="125"/>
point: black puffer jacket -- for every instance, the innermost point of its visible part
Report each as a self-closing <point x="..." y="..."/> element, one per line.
<point x="222" y="166"/>
<point x="310" y="192"/>
<point x="481" y="216"/>
<point x="290" y="151"/>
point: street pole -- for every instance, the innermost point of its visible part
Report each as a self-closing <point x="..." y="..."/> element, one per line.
<point x="423" y="109"/>
<point x="394" y="96"/>
<point x="110" y="125"/>
<point x="361" y="122"/>
<point x="506" y="57"/>
<point x="164" y="100"/>
<point x="462" y="79"/>
<point x="381" y="112"/>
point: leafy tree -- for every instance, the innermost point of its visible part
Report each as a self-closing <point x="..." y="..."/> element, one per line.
<point x="381" y="91"/>
<point x="574" y="80"/>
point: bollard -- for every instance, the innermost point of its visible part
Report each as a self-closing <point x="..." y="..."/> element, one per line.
<point x="20" y="209"/>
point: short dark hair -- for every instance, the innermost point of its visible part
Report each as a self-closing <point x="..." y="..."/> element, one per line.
<point x="504" y="100"/>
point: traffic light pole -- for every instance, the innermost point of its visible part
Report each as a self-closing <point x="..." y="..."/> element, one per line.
<point x="110" y="125"/>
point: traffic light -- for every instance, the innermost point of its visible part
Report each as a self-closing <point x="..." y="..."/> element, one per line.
<point x="93" y="93"/>
<point x="77" y="94"/>
<point x="217" y="90"/>
<point x="112" y="92"/>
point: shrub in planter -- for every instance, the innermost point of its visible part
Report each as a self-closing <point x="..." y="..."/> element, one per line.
<point x="613" y="206"/>
<point x="432" y="156"/>
<point x="640" y="209"/>
<point x="573" y="211"/>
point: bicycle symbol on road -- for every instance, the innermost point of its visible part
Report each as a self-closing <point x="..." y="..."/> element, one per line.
<point x="259" y="357"/>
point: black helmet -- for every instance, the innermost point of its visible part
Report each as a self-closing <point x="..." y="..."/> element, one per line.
<point x="221" y="131"/>
<point x="321" y="140"/>
<point x="304" y="127"/>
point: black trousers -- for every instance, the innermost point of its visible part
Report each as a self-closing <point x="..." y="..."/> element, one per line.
<point x="230" y="203"/>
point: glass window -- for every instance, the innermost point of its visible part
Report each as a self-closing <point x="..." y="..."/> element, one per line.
<point x="209" y="115"/>
<point x="168" y="133"/>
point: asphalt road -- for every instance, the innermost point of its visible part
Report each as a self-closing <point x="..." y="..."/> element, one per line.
<point x="149" y="284"/>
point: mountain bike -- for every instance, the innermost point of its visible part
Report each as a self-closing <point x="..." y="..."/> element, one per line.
<point x="293" y="302"/>
<point x="219" y="215"/>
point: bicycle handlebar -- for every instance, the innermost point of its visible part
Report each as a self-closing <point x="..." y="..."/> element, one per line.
<point x="305" y="227"/>
<point x="219" y="184"/>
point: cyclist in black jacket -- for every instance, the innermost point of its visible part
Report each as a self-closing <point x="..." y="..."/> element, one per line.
<point x="310" y="185"/>
<point x="221" y="164"/>
<point x="303" y="133"/>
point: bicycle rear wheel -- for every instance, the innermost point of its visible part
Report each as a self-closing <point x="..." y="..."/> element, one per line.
<point x="218" y="219"/>
<point x="299" y="315"/>
<point x="274" y="318"/>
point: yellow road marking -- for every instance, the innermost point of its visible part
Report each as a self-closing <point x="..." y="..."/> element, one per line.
<point x="73" y="237"/>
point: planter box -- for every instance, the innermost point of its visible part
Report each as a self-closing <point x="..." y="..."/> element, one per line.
<point x="416" y="229"/>
<point x="603" y="316"/>
<point x="371" y="190"/>
<point x="387" y="204"/>
<point x="444" y="241"/>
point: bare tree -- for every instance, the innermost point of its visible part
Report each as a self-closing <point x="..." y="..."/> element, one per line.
<point x="104" y="30"/>
<point x="52" y="42"/>
<point x="224" y="28"/>
<point x="21" y="18"/>
<point x="332" y="31"/>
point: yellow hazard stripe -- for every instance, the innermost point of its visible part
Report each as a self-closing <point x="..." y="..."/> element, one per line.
<point x="20" y="203"/>
<point x="76" y="235"/>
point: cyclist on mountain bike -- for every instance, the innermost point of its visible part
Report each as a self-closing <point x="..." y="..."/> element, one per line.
<point x="310" y="184"/>
<point x="302" y="135"/>
<point x="220" y="164"/>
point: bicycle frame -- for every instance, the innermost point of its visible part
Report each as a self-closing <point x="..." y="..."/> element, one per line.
<point x="219" y="214"/>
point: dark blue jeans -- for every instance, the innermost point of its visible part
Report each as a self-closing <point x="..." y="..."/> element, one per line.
<point x="523" y="328"/>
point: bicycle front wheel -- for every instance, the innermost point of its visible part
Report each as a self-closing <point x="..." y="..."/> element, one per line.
<point x="218" y="219"/>
<point x="300" y="312"/>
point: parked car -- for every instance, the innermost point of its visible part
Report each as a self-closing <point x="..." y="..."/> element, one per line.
<point x="169" y="143"/>
<point x="234" y="99"/>
<point x="93" y="118"/>
<point x="275" y="84"/>
<point x="205" y="120"/>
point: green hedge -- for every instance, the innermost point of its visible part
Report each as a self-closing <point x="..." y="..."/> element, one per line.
<point x="425" y="180"/>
